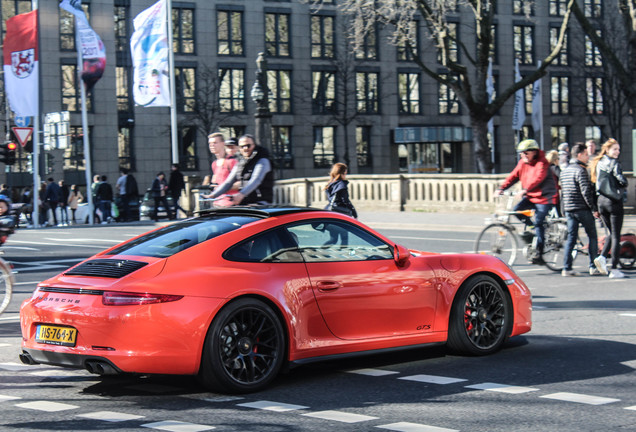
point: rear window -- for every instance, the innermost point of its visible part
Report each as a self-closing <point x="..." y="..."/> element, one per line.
<point x="180" y="236"/>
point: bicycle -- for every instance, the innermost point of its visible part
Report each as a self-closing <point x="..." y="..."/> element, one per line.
<point x="500" y="238"/>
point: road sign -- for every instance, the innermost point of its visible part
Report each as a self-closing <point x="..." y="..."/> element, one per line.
<point x="22" y="121"/>
<point x="22" y="134"/>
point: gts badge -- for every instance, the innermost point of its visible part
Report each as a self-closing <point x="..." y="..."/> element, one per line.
<point x="424" y="327"/>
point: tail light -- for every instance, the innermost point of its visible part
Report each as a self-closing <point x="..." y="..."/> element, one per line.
<point x="113" y="298"/>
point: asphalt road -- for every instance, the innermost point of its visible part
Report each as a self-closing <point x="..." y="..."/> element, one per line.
<point x="573" y="372"/>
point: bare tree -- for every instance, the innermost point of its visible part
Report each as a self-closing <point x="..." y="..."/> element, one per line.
<point x="467" y="80"/>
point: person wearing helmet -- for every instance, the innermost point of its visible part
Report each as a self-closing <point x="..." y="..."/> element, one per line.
<point x="538" y="188"/>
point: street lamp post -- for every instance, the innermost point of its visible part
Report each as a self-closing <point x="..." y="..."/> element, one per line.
<point x="260" y="96"/>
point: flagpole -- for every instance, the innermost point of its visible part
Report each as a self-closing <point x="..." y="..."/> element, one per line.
<point x="173" y="96"/>
<point x="87" y="148"/>
<point x="35" y="156"/>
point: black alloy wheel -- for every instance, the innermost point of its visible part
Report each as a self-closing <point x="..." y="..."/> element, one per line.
<point x="244" y="348"/>
<point x="481" y="317"/>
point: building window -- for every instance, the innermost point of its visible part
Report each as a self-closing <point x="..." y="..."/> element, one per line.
<point x="493" y="52"/>
<point x="558" y="7"/>
<point x="593" y="8"/>
<point x="282" y="148"/>
<point x="409" y="93"/>
<point x="279" y="83"/>
<point x="559" y="134"/>
<point x="560" y="95"/>
<point x="367" y="92"/>
<point x="277" y="35"/>
<point x="124" y="148"/>
<point x="368" y="50"/>
<point x="324" y="146"/>
<point x="12" y="8"/>
<point x="592" y="54"/>
<point x="452" y="30"/>
<point x="183" y="30"/>
<point x="594" y="91"/>
<point x="523" y="43"/>
<point x="67" y="28"/>
<point x="122" y="36"/>
<point x="71" y="98"/>
<point x="593" y="132"/>
<point x="523" y="7"/>
<point x="122" y="83"/>
<point x="410" y="37"/>
<point x="232" y="131"/>
<point x="363" y="146"/>
<point x="448" y="102"/>
<point x="185" y="87"/>
<point x="231" y="90"/>
<point x="323" y="43"/>
<point x="229" y="27"/>
<point x="323" y="93"/>
<point x="187" y="148"/>
<point x="74" y="154"/>
<point x="563" y="55"/>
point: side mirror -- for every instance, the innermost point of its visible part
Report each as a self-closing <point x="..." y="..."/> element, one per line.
<point x="401" y="255"/>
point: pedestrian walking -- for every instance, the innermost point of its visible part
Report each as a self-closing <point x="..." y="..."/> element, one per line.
<point x="553" y="158"/>
<point x="43" y="206"/>
<point x="27" y="208"/>
<point x="580" y="208"/>
<point x="611" y="187"/>
<point x="159" y="193"/>
<point x="176" y="184"/>
<point x="337" y="190"/>
<point x="53" y="195"/>
<point x="74" y="198"/>
<point x="63" y="204"/>
<point x="222" y="165"/>
<point x="104" y="196"/>
<point x="564" y="155"/>
<point x="591" y="148"/>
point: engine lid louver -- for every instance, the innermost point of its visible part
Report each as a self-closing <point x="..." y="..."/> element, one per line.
<point x="109" y="268"/>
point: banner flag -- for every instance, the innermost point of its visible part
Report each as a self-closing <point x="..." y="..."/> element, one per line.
<point x="21" y="63"/>
<point x="537" y="107"/>
<point x="90" y="46"/>
<point x="490" y="89"/>
<point x="149" y="50"/>
<point x="519" y="113"/>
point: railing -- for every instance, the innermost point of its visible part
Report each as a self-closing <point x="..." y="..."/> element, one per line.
<point x="404" y="192"/>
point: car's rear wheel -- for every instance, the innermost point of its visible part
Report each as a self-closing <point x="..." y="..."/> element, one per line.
<point x="244" y="348"/>
<point x="480" y="318"/>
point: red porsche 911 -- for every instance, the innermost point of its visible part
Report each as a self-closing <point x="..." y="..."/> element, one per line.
<point x="236" y="294"/>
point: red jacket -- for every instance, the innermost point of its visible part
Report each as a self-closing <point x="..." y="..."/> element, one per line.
<point x="536" y="178"/>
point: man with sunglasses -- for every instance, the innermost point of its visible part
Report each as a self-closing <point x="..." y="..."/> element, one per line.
<point x="538" y="188"/>
<point x="254" y="174"/>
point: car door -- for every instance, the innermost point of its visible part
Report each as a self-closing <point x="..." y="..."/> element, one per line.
<point x="359" y="288"/>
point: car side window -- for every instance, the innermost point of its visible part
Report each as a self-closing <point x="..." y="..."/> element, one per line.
<point x="274" y="246"/>
<point x="329" y="241"/>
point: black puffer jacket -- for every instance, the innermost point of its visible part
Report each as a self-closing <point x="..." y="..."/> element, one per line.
<point x="610" y="167"/>
<point x="577" y="191"/>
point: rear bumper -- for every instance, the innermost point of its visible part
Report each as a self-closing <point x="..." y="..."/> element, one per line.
<point x="75" y="361"/>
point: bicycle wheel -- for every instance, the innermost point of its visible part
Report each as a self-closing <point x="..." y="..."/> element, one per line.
<point x="554" y="245"/>
<point x="6" y="285"/>
<point x="498" y="239"/>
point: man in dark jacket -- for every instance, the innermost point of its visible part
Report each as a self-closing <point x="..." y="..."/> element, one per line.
<point x="53" y="196"/>
<point x="104" y="197"/>
<point x="175" y="185"/>
<point x="580" y="207"/>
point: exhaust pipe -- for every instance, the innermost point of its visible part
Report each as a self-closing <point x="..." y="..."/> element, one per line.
<point x="100" y="368"/>
<point x="27" y="359"/>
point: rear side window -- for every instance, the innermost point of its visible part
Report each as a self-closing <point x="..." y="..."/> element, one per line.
<point x="177" y="237"/>
<point x="274" y="246"/>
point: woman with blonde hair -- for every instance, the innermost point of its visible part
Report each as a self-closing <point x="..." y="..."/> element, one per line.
<point x="606" y="172"/>
<point x="338" y="192"/>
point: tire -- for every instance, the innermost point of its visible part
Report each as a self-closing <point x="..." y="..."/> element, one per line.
<point x="481" y="317"/>
<point x="556" y="233"/>
<point x="244" y="348"/>
<point x="6" y="285"/>
<point x="628" y="255"/>
<point x="498" y="240"/>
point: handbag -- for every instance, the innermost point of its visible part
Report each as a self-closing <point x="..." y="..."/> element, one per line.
<point x="338" y="208"/>
<point x="606" y="186"/>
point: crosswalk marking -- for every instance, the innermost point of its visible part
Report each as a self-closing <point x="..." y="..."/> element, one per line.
<point x="372" y="372"/>
<point x="413" y="427"/>
<point x="110" y="416"/>
<point x="502" y="388"/>
<point x="177" y="426"/>
<point x="432" y="379"/>
<point x="580" y="398"/>
<point x="340" y="416"/>
<point x="47" y="406"/>
<point x="13" y="366"/>
<point x="8" y="398"/>
<point x="272" y="406"/>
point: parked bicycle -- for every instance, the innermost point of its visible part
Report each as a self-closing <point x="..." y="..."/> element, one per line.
<point x="501" y="237"/>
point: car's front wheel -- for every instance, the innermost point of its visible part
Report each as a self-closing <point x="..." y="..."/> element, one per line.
<point x="480" y="318"/>
<point x="244" y="348"/>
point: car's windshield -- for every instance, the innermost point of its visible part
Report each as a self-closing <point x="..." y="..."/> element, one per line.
<point x="176" y="237"/>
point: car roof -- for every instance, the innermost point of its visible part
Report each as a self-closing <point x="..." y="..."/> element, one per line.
<point x="258" y="211"/>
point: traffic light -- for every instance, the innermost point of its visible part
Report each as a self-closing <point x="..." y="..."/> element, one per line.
<point x="7" y="152"/>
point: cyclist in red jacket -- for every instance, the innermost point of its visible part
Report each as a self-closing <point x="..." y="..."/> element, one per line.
<point x="538" y="187"/>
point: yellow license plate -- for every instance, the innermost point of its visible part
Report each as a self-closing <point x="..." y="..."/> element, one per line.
<point x="56" y="335"/>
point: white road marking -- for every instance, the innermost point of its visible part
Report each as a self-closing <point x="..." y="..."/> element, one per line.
<point x="4" y="345"/>
<point x="177" y="426"/>
<point x="436" y="239"/>
<point x="340" y="416"/>
<point x="83" y="240"/>
<point x="47" y="406"/>
<point x="633" y="408"/>
<point x="413" y="427"/>
<point x="62" y="373"/>
<point x="7" y="398"/>
<point x="629" y="363"/>
<point x="580" y="398"/>
<point x="56" y="244"/>
<point x="13" y="366"/>
<point x="432" y="379"/>
<point x="628" y="314"/>
<point x="502" y="388"/>
<point x="110" y="416"/>
<point x="272" y="406"/>
<point x="13" y="317"/>
<point x="372" y="372"/>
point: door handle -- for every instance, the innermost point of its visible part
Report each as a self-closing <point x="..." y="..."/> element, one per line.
<point x="328" y="285"/>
